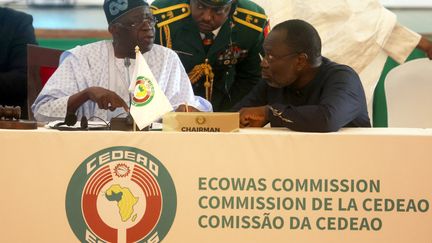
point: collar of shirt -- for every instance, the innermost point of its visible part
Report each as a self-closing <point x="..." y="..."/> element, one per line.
<point x="215" y="33"/>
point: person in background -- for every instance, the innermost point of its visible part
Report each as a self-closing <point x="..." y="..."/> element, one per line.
<point x="93" y="80"/>
<point x="218" y="42"/>
<point x="16" y="31"/>
<point x="360" y="34"/>
<point x="302" y="90"/>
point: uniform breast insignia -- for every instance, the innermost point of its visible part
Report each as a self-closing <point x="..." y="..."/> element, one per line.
<point x="231" y="55"/>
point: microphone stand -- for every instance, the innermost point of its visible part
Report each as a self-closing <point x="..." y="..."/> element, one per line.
<point x="127" y="64"/>
<point x="129" y="118"/>
<point x="124" y="124"/>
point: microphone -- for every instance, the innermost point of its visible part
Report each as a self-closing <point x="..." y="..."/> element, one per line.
<point x="84" y="122"/>
<point x="124" y="123"/>
<point x="127" y="64"/>
<point x="70" y="121"/>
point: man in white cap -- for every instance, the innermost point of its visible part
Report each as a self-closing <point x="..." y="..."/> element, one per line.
<point x="93" y="80"/>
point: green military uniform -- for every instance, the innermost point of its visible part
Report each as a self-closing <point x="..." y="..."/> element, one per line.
<point x="233" y="57"/>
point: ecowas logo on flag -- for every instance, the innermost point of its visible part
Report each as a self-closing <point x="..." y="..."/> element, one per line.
<point x="121" y="194"/>
<point x="149" y="102"/>
<point x="144" y="91"/>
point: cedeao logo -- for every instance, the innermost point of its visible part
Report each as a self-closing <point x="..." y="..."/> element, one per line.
<point x="121" y="194"/>
<point x="144" y="91"/>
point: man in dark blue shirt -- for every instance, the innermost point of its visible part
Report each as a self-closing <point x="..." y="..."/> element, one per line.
<point x="302" y="90"/>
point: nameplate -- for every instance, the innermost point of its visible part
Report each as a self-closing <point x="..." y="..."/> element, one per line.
<point x="201" y="122"/>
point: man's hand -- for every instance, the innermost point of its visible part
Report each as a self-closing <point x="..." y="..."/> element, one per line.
<point x="426" y="46"/>
<point x="106" y="99"/>
<point x="253" y="116"/>
<point x="182" y="108"/>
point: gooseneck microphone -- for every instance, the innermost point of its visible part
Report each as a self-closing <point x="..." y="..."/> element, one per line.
<point x="127" y="64"/>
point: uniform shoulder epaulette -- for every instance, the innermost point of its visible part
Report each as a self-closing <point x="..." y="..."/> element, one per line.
<point x="170" y="14"/>
<point x="251" y="19"/>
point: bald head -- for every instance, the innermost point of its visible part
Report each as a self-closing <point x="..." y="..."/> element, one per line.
<point x="301" y="37"/>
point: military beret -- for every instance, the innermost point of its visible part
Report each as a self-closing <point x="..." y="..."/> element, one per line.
<point x="116" y="8"/>
<point x="215" y="3"/>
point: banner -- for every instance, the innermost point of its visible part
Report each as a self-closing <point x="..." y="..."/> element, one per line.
<point x="258" y="185"/>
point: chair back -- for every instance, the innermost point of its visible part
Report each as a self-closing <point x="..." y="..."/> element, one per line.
<point x="408" y="90"/>
<point x="41" y="64"/>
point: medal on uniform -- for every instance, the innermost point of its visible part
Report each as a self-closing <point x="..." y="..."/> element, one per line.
<point x="231" y="55"/>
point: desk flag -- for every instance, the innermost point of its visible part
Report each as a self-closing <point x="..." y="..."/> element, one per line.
<point x="148" y="102"/>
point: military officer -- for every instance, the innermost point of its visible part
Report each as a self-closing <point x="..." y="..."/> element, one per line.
<point x="218" y="42"/>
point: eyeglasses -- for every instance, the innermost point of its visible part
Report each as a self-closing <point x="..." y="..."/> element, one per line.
<point x="272" y="58"/>
<point x="150" y="21"/>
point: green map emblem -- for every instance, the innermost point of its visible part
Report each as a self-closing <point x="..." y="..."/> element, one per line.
<point x="121" y="194"/>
